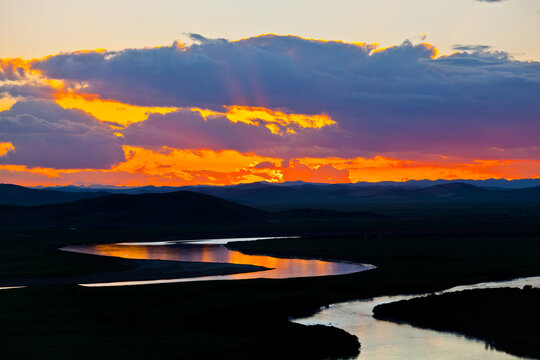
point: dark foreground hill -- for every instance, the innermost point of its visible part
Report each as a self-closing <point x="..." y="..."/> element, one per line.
<point x="19" y="195"/>
<point x="172" y="208"/>
<point x="181" y="207"/>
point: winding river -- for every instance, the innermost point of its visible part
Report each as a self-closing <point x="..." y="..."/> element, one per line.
<point x="380" y="339"/>
<point x="214" y="251"/>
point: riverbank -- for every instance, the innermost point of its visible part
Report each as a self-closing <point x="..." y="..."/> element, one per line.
<point x="141" y="270"/>
<point x="505" y="319"/>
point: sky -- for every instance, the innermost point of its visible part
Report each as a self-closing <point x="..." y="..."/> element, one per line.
<point x="209" y="92"/>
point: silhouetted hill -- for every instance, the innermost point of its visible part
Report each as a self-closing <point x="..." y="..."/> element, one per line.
<point x="454" y="191"/>
<point x="320" y="214"/>
<point x="180" y="207"/>
<point x="19" y="195"/>
<point x="316" y="196"/>
<point x="463" y="192"/>
<point x="349" y="195"/>
<point x="267" y="194"/>
<point x="530" y="192"/>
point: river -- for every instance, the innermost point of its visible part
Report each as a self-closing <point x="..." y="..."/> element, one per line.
<point x="392" y="341"/>
<point x="380" y="339"/>
<point x="214" y="251"/>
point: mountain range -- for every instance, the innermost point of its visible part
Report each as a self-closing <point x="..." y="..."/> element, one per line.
<point x="293" y="195"/>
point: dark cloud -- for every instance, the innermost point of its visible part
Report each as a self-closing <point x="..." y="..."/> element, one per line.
<point x="185" y="129"/>
<point x="399" y="99"/>
<point x="474" y="48"/>
<point x="265" y="165"/>
<point x="27" y="91"/>
<point x="12" y="70"/>
<point x="210" y="74"/>
<point x="47" y="135"/>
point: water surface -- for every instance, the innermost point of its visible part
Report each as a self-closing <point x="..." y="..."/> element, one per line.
<point x="214" y="251"/>
<point x="391" y="341"/>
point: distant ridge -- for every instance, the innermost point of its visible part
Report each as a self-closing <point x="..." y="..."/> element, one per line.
<point x="19" y="195"/>
<point x="410" y="184"/>
<point x="500" y="183"/>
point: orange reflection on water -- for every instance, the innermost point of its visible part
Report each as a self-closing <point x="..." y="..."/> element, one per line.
<point x="278" y="267"/>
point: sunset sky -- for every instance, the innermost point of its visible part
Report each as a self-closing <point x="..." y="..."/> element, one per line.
<point x="214" y="92"/>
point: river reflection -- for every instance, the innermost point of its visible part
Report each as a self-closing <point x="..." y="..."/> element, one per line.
<point x="213" y="251"/>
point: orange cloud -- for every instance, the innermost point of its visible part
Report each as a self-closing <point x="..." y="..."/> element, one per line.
<point x="277" y="121"/>
<point x="167" y="161"/>
<point x="387" y="169"/>
<point x="164" y="166"/>
<point x="7" y="102"/>
<point x="108" y="110"/>
<point x="23" y="170"/>
<point x="252" y="115"/>
<point x="327" y="173"/>
<point x="6" y="147"/>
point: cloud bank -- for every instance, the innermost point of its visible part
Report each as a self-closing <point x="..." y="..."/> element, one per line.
<point x="279" y="97"/>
